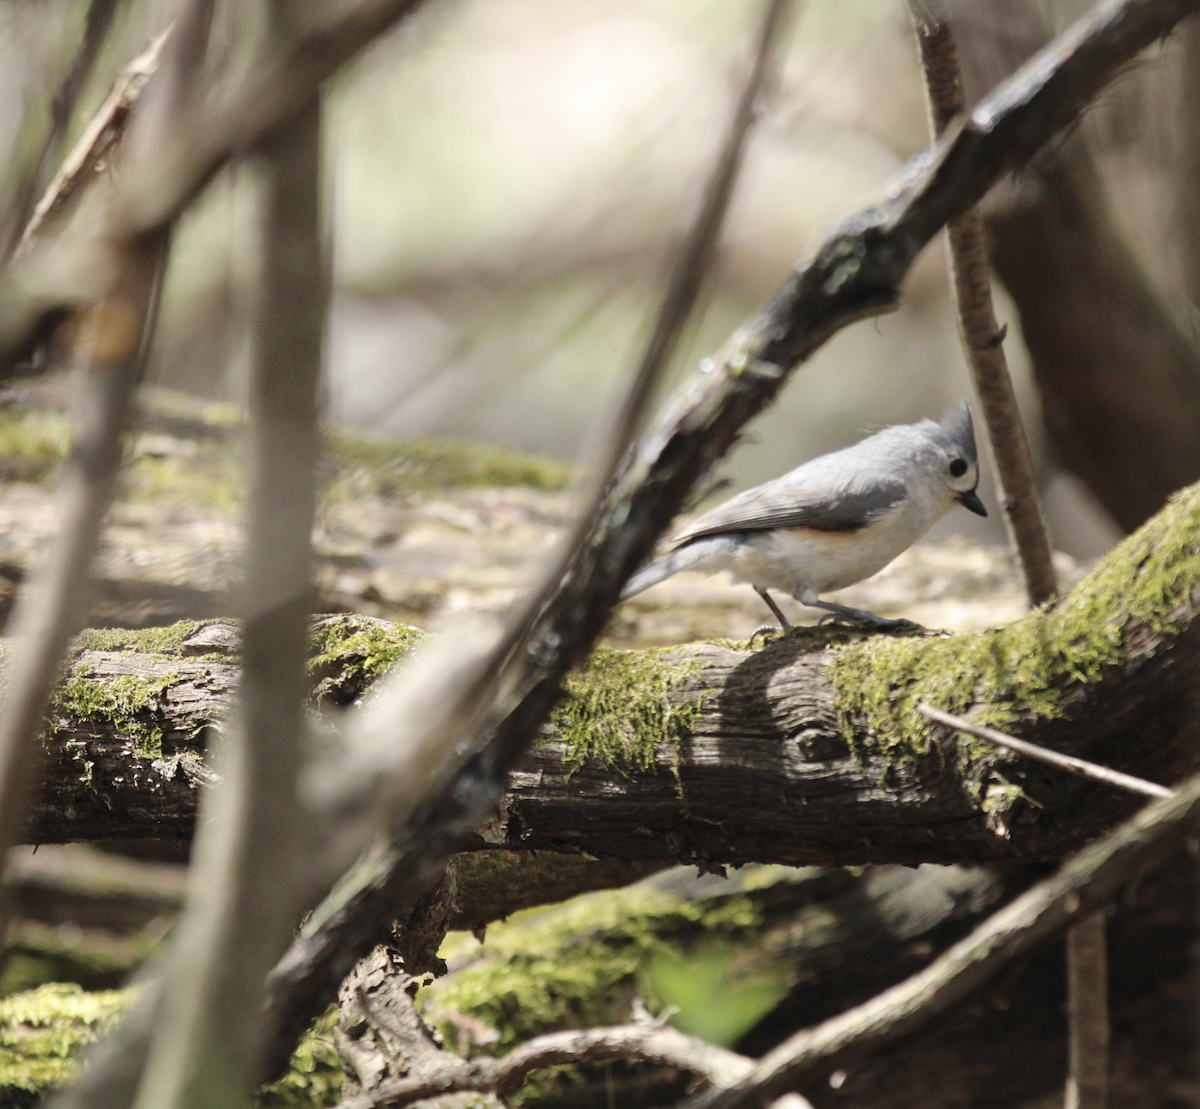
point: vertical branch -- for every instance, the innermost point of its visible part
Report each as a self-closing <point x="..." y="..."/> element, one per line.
<point x="1087" y="977"/>
<point x="1187" y="166"/>
<point x="505" y="695"/>
<point x="114" y="340"/>
<point x="516" y="685"/>
<point x="248" y="877"/>
<point x="1087" y="1010"/>
<point x="982" y="338"/>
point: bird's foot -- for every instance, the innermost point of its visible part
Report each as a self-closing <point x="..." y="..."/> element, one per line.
<point x="766" y="629"/>
<point x="860" y="617"/>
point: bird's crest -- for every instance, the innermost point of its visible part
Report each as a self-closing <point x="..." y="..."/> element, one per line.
<point x="957" y="424"/>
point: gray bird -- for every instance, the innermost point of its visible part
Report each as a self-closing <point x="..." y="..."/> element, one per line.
<point x="835" y="520"/>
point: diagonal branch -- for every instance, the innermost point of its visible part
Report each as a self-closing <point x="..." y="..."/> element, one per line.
<point x="513" y="686"/>
<point x="855" y="272"/>
<point x="53" y="606"/>
<point x="62" y="107"/>
<point x="96" y="142"/>
<point x="1082" y="767"/>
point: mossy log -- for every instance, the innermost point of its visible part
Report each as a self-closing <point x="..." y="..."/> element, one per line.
<point x="808" y="751"/>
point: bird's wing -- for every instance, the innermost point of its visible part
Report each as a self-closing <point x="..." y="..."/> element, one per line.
<point x="791" y="503"/>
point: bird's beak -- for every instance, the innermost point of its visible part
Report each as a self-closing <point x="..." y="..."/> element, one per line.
<point x="971" y="500"/>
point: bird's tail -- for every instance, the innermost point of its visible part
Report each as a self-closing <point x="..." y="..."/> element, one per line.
<point x="687" y="556"/>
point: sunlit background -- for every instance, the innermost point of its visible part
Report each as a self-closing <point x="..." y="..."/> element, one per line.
<point x="508" y="178"/>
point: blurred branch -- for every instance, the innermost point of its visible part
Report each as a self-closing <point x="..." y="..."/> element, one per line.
<point x="1187" y="170"/>
<point x="505" y="692"/>
<point x="855" y="273"/>
<point x="982" y="338"/>
<point x="114" y="345"/>
<point x="249" y="878"/>
<point x="96" y="142"/>
<point x="1080" y="887"/>
<point x="53" y="606"/>
<point x="1087" y="1014"/>
<point x="62" y="108"/>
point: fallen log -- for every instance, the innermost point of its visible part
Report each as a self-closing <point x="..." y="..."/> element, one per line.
<point x="808" y="751"/>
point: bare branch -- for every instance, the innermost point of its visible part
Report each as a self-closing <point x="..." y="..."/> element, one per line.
<point x="98" y="140"/>
<point x="53" y="606"/>
<point x="250" y="880"/>
<point x="96" y="24"/>
<point x="981" y="336"/>
<point x="1087" y="1013"/>
<point x="641" y="1042"/>
<point x="519" y="678"/>
<point x="1081" y="767"/>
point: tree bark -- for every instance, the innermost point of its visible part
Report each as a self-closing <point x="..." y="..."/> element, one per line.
<point x="797" y="753"/>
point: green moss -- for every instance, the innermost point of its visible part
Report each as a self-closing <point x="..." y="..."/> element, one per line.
<point x="576" y="964"/>
<point x="207" y="476"/>
<point x="191" y="462"/>
<point x="716" y="996"/>
<point x="343" y="665"/>
<point x="377" y="467"/>
<point x="1023" y="669"/>
<point x="315" y="1076"/>
<point x="126" y="704"/>
<point x="165" y="641"/>
<point x="32" y="443"/>
<point x="42" y="1032"/>
<point x="621" y="705"/>
<point x="123" y="704"/>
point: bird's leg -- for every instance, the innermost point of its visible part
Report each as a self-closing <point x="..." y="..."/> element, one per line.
<point x="858" y="616"/>
<point x="784" y="623"/>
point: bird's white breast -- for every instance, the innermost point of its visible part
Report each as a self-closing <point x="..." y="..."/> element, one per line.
<point x="797" y="560"/>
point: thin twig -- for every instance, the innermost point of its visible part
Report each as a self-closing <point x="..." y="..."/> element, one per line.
<point x="504" y="1076"/>
<point x="855" y="272"/>
<point x="1070" y="763"/>
<point x="531" y="659"/>
<point x="98" y="140"/>
<point x="1080" y="887"/>
<point x="982" y="338"/>
<point x="62" y="108"/>
<point x="984" y="343"/>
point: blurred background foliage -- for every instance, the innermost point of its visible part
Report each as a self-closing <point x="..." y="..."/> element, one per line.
<point x="507" y="179"/>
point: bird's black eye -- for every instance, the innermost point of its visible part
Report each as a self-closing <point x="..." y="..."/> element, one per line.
<point x="957" y="468"/>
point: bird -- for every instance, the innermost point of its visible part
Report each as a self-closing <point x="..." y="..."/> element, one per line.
<point x="834" y="520"/>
